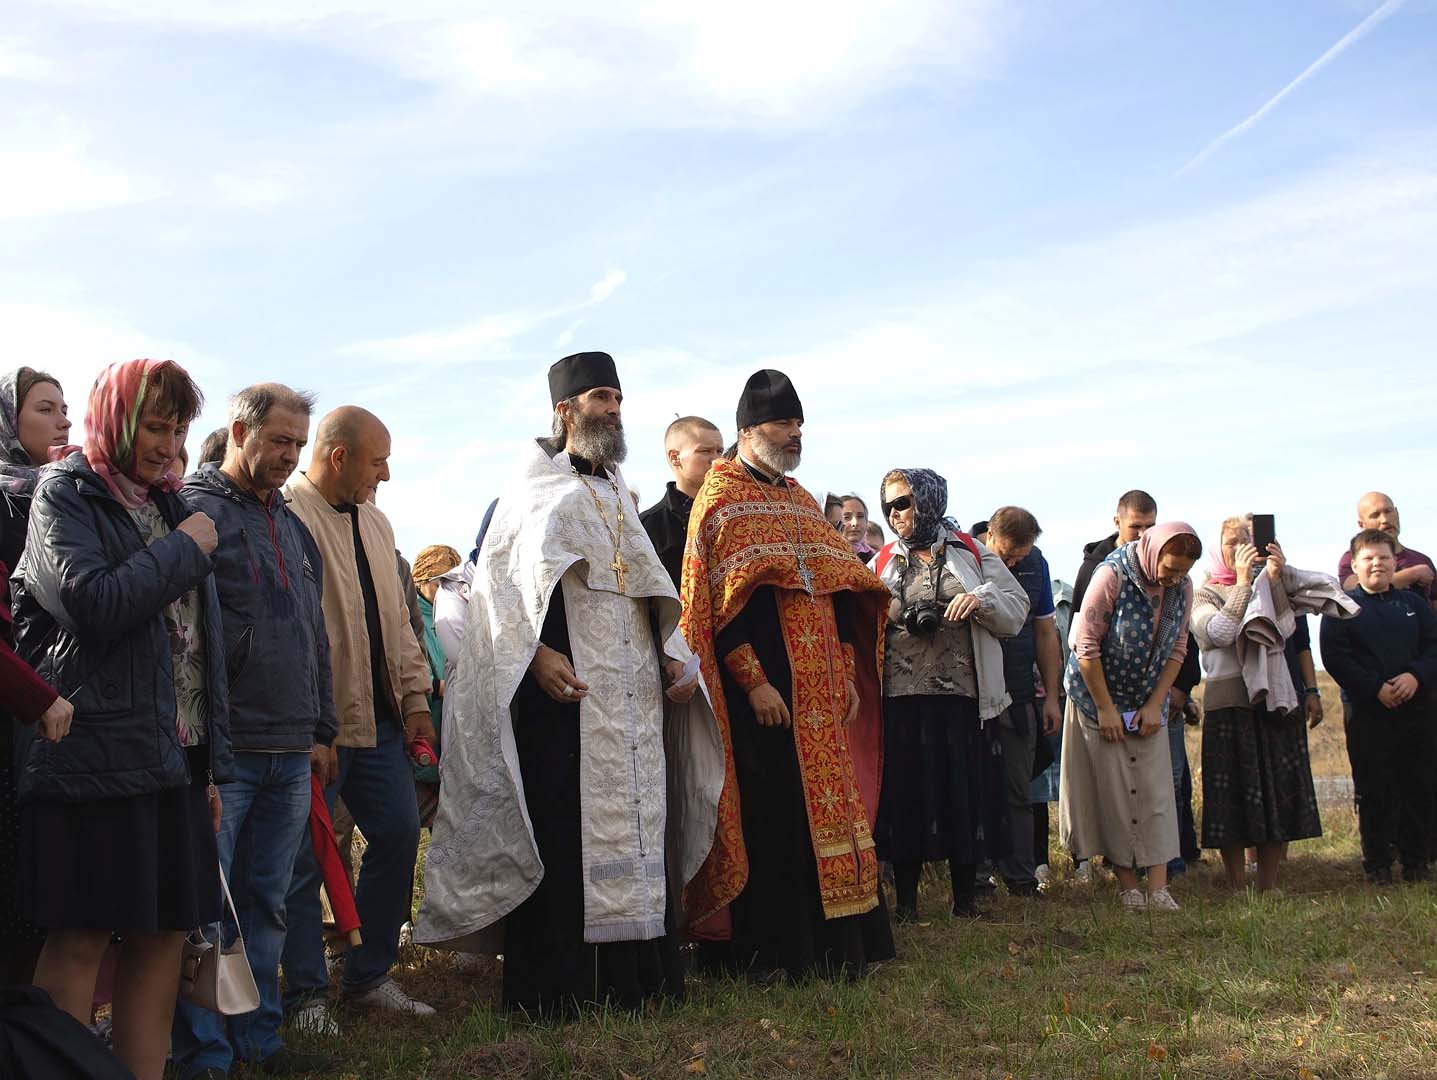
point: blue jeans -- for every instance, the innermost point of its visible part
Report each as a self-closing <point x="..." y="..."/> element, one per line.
<point x="266" y="814"/>
<point x="377" y="784"/>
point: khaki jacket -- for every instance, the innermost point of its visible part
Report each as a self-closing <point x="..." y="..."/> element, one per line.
<point x="407" y="674"/>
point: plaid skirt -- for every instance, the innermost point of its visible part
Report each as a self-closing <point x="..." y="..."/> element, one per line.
<point x="1256" y="779"/>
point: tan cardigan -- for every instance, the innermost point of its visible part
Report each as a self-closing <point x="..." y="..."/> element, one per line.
<point x="408" y="672"/>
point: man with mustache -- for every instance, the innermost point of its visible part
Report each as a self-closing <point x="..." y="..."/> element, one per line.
<point x="787" y="621"/>
<point x="549" y="845"/>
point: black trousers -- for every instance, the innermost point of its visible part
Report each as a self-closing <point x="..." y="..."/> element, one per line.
<point x="1392" y="753"/>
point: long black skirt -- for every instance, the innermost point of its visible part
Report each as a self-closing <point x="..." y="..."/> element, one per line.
<point x="16" y="931"/>
<point x="943" y="783"/>
<point x="549" y="969"/>
<point x="143" y="864"/>
<point x="1256" y="779"/>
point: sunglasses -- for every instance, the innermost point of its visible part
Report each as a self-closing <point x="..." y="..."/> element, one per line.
<point x="903" y="502"/>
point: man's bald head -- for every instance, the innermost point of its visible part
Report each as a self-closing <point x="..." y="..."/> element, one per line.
<point x="1375" y="510"/>
<point x="348" y="427"/>
<point x="351" y="456"/>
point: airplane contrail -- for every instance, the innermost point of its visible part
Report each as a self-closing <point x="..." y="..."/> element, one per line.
<point x="1388" y="8"/>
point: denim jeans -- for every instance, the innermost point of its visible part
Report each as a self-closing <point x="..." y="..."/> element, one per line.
<point x="266" y="814"/>
<point x="377" y="784"/>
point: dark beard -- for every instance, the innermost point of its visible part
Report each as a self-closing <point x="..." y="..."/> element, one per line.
<point x="775" y="459"/>
<point x="594" y="440"/>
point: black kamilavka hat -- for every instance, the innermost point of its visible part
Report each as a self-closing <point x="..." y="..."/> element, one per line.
<point x="582" y="371"/>
<point x="768" y="395"/>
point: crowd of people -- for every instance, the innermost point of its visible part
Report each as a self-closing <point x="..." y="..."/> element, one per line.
<point x="696" y="737"/>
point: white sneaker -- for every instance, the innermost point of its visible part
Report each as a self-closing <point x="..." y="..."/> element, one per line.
<point x="1043" y="874"/>
<point x="314" y="1019"/>
<point x="1162" y="900"/>
<point x="1135" y="900"/>
<point x="390" y="995"/>
<point x="1084" y="873"/>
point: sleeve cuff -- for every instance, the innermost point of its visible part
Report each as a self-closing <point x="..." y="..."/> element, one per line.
<point x="850" y="662"/>
<point x="744" y="666"/>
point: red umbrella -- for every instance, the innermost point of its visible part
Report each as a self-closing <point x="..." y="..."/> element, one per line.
<point x="326" y="853"/>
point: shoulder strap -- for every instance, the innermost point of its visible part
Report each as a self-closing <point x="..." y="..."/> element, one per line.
<point x="970" y="544"/>
<point x="883" y="558"/>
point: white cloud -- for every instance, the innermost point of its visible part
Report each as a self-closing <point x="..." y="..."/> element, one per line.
<point x="261" y="187"/>
<point x="487" y="340"/>
<point x="630" y="62"/>
<point x="20" y="61"/>
<point x="48" y="166"/>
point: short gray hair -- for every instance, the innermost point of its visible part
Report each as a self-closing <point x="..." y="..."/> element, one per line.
<point x="252" y="405"/>
<point x="558" y="428"/>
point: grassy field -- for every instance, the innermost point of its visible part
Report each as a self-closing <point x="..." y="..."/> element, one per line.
<point x="1331" y="979"/>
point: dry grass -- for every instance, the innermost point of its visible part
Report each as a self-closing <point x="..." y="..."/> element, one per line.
<point x="1332" y="979"/>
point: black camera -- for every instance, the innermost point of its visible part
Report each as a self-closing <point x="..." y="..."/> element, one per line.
<point x="923" y="618"/>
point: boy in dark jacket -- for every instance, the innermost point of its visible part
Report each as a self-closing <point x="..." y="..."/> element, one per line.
<point x="1386" y="661"/>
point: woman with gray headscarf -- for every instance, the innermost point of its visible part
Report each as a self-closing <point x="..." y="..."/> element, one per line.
<point x="943" y="777"/>
<point x="33" y="418"/>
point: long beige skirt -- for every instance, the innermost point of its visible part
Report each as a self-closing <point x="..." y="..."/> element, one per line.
<point x="1116" y="799"/>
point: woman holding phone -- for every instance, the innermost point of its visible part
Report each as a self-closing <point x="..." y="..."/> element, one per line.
<point x="1256" y="775"/>
<point x="1129" y="640"/>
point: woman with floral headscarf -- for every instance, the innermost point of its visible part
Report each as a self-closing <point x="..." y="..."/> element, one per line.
<point x="1129" y="640"/>
<point x="116" y="608"/>
<point x="943" y="777"/>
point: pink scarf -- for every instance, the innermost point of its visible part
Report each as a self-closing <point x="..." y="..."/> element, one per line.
<point x="112" y="419"/>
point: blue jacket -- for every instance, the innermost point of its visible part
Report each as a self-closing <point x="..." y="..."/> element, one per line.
<point x="1395" y="633"/>
<point x="89" y="599"/>
<point x="268" y="574"/>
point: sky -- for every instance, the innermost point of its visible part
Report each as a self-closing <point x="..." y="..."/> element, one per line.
<point x="1052" y="250"/>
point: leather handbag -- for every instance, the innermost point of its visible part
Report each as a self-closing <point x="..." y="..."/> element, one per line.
<point x="216" y="977"/>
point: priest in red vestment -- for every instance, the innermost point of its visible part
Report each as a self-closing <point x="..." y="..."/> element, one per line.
<point x="788" y="622"/>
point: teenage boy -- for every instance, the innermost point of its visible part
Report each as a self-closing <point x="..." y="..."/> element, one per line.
<point x="1386" y="661"/>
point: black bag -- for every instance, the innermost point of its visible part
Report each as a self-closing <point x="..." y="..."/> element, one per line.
<point x="41" y="1042"/>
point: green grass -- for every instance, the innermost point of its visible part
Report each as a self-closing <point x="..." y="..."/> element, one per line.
<point x="1333" y="977"/>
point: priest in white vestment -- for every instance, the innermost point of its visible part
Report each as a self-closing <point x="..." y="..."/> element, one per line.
<point x="582" y="767"/>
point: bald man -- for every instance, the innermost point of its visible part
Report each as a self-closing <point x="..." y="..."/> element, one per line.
<point x="381" y="686"/>
<point x="1415" y="571"/>
<point x="691" y="445"/>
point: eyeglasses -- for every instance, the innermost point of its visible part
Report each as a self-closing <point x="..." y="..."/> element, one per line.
<point x="903" y="502"/>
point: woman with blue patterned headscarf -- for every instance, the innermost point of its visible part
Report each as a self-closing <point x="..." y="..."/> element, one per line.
<point x="943" y="775"/>
<point x="1129" y="641"/>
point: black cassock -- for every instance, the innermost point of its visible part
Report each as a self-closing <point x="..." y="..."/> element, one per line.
<point x="548" y="967"/>
<point x="778" y="921"/>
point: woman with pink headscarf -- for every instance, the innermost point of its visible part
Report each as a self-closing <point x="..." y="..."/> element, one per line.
<point x="1129" y="641"/>
<point x="116" y="608"/>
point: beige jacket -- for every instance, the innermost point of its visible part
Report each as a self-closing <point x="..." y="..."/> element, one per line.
<point x="407" y="674"/>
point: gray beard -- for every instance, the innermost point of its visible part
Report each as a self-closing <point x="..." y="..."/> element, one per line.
<point x="774" y="460"/>
<point x="595" y="441"/>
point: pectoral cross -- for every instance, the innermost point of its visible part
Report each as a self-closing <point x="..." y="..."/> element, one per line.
<point x="619" y="569"/>
<point x="805" y="575"/>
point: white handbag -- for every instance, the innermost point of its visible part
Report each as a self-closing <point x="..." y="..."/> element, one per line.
<point x="214" y="977"/>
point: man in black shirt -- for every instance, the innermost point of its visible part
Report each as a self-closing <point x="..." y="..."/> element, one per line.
<point x="691" y="444"/>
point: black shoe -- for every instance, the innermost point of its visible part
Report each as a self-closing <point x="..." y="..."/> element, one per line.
<point x="1416" y="872"/>
<point x="289" y="1061"/>
<point x="1030" y="889"/>
<point x="1380" y="876"/>
<point x="903" y="913"/>
<point x="967" y="908"/>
